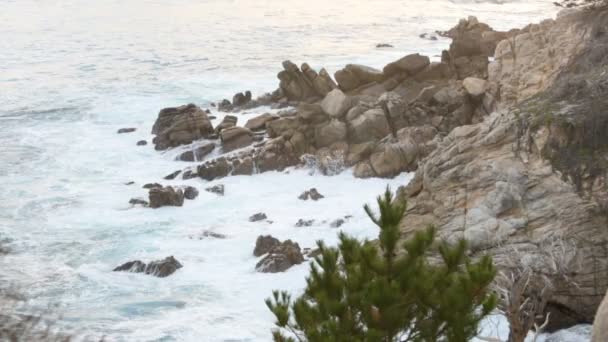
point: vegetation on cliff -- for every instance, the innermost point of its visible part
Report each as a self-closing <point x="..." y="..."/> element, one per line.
<point x="368" y="291"/>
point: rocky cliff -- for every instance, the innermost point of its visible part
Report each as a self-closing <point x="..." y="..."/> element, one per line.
<point x="530" y="179"/>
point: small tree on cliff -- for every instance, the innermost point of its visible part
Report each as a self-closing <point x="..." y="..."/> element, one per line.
<point x="372" y="291"/>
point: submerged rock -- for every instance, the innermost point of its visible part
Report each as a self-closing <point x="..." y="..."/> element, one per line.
<point x="257" y="217"/>
<point x="216" y="189"/>
<point x="190" y="192"/>
<point x="138" y="201"/>
<point x="312" y="194"/>
<point x="126" y="130"/>
<point x="304" y="223"/>
<point x="172" y="175"/>
<point x="160" y="268"/>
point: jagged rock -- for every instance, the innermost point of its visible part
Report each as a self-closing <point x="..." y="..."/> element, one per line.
<point x="281" y="258"/>
<point x="369" y="126"/>
<point x="395" y="155"/>
<point x="304" y="223"/>
<point x="321" y="82"/>
<point x="241" y="99"/>
<point x="475" y="86"/>
<point x="257" y="217"/>
<point x="529" y="62"/>
<point x="336" y="104"/>
<point x="126" y="130"/>
<point x="411" y="64"/>
<point x="259" y="122"/>
<point x="312" y="194"/>
<point x="165" y="196"/>
<point x="227" y="122"/>
<point x="472" y="38"/>
<point x="142" y="143"/>
<point x="235" y="137"/>
<point x="180" y="125"/>
<point x="152" y="185"/>
<point x="216" y="189"/>
<point x="160" y="268"/>
<point x="328" y="134"/>
<point x="138" y="201"/>
<point x="265" y="244"/>
<point x="190" y="192"/>
<point x="172" y="175"/>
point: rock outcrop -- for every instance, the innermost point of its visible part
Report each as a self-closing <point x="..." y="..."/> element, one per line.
<point x="280" y="257"/>
<point x="530" y="179"/>
<point x="304" y="84"/>
<point x="180" y="125"/>
<point x="160" y="268"/>
<point x="165" y="196"/>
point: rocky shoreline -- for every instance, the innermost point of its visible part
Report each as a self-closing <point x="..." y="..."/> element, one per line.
<point x="504" y="134"/>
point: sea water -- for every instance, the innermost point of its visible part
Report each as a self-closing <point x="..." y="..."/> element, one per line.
<point x="72" y="72"/>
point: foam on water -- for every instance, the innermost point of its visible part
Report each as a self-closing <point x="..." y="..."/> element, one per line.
<point x="72" y="72"/>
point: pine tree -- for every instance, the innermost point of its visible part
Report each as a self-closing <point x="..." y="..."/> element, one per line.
<point x="375" y="291"/>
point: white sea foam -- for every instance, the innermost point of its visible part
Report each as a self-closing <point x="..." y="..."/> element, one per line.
<point x="72" y="72"/>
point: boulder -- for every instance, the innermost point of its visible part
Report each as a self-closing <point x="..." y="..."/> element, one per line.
<point x="180" y="125"/>
<point x="330" y="133"/>
<point x="411" y="64"/>
<point x="216" y="189"/>
<point x="126" y="130"/>
<point x="165" y="196"/>
<point x="369" y="126"/>
<point x="160" y="268"/>
<point x="241" y="99"/>
<point x="336" y="103"/>
<point x="190" y="192"/>
<point x="227" y="122"/>
<point x="235" y="137"/>
<point x="142" y="143"/>
<point x="281" y="258"/>
<point x="265" y="244"/>
<point x="257" y="217"/>
<point x="475" y="86"/>
<point x="295" y="84"/>
<point x="259" y="122"/>
<point x="354" y="76"/>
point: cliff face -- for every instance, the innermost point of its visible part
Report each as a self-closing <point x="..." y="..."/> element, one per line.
<point x="530" y="180"/>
